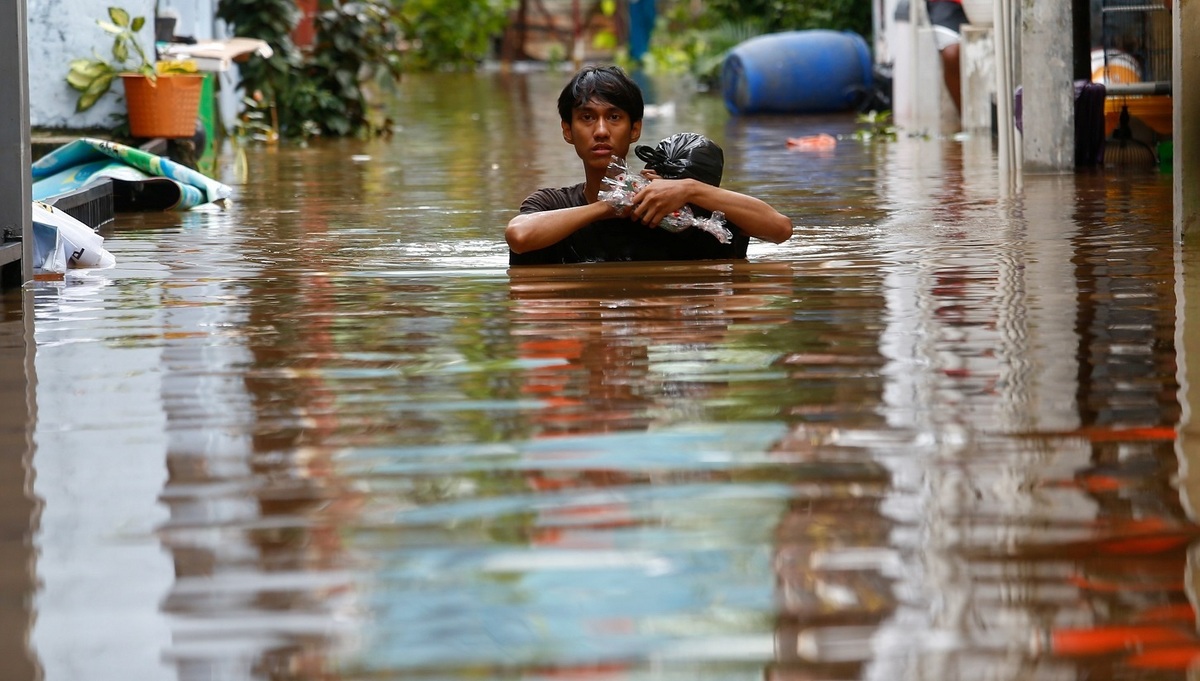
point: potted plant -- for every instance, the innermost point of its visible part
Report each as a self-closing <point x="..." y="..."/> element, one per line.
<point x="161" y="97"/>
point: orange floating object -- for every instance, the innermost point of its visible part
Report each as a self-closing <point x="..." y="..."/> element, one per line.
<point x="821" y="142"/>
<point x="1111" y="434"/>
<point x="1144" y="545"/>
<point x="1103" y="434"/>
<point x="1101" y="483"/>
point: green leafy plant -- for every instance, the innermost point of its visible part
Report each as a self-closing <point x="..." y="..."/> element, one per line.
<point x="93" y="78"/>
<point x="267" y="79"/>
<point x="788" y="15"/>
<point x="355" y="46"/>
<point x="450" y="34"/>
<point x="323" y="91"/>
<point x="696" y="42"/>
<point x="875" y="125"/>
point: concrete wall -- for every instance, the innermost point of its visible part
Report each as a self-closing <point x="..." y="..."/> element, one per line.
<point x="62" y="30"/>
<point x="1048" y="99"/>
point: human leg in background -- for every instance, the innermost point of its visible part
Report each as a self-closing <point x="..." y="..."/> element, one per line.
<point x="951" y="74"/>
<point x="947" y="17"/>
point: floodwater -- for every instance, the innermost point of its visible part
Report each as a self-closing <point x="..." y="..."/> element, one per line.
<point x="327" y="434"/>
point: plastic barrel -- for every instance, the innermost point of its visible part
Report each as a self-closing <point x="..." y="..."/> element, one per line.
<point x="797" y="72"/>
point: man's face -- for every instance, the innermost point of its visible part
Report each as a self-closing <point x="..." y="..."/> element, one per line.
<point x="599" y="131"/>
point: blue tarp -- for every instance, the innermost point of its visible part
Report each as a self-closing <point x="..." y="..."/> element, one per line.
<point x="85" y="161"/>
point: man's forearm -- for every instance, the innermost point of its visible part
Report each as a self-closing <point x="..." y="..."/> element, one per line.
<point x="754" y="216"/>
<point x="532" y="231"/>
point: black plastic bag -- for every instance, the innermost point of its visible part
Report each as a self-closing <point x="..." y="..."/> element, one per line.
<point x="685" y="155"/>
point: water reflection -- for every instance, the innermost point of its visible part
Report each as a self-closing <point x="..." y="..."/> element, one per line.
<point x="621" y="347"/>
<point x="19" y="510"/>
<point x="328" y="434"/>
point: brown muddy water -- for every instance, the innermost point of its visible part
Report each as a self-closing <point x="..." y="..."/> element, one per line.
<point x="327" y="434"/>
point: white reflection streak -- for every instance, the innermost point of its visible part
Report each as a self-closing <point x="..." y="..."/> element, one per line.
<point x="934" y="488"/>
<point x="532" y="561"/>
<point x="99" y="470"/>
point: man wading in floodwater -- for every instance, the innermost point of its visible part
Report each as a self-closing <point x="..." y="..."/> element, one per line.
<point x="601" y="110"/>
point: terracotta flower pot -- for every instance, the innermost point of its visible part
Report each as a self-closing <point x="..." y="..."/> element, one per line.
<point x="165" y="107"/>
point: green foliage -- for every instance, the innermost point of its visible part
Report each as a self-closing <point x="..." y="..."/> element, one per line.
<point x="355" y="44"/>
<point x="700" y="51"/>
<point x="789" y="15"/>
<point x="875" y="125"/>
<point x="93" y="78"/>
<point x="684" y="42"/>
<point x="606" y="39"/>
<point x="253" y="127"/>
<point x="267" y="79"/>
<point x="321" y="93"/>
<point x="450" y="34"/>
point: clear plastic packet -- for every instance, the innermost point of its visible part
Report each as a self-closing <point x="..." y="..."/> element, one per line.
<point x="624" y="183"/>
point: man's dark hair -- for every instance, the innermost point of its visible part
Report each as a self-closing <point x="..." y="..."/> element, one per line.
<point x="607" y="84"/>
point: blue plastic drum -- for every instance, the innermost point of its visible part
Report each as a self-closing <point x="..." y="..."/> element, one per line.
<point x="813" y="71"/>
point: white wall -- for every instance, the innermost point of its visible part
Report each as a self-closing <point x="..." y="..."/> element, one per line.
<point x="62" y="30"/>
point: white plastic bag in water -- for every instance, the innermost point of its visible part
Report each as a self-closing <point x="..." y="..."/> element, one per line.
<point x="62" y="242"/>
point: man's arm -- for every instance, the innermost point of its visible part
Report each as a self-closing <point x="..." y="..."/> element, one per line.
<point x="755" y="217"/>
<point x="532" y="231"/>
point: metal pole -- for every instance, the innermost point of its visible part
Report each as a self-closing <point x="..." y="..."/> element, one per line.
<point x="1005" y="118"/>
<point x="16" y="159"/>
<point x="1185" y="118"/>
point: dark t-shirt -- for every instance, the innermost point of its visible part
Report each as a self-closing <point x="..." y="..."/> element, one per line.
<point x="618" y="239"/>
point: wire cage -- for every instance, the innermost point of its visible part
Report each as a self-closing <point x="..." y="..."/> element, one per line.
<point x="1133" y="60"/>
<point x="1135" y="38"/>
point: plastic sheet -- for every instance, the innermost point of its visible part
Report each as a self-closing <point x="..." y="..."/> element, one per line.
<point x="60" y="242"/>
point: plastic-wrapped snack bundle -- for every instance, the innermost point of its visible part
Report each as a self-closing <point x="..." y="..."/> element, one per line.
<point x="684" y="218"/>
<point x="624" y="184"/>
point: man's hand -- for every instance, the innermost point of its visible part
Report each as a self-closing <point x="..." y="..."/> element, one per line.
<point x="660" y="198"/>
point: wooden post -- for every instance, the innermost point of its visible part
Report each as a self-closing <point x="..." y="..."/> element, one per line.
<point x="16" y="185"/>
